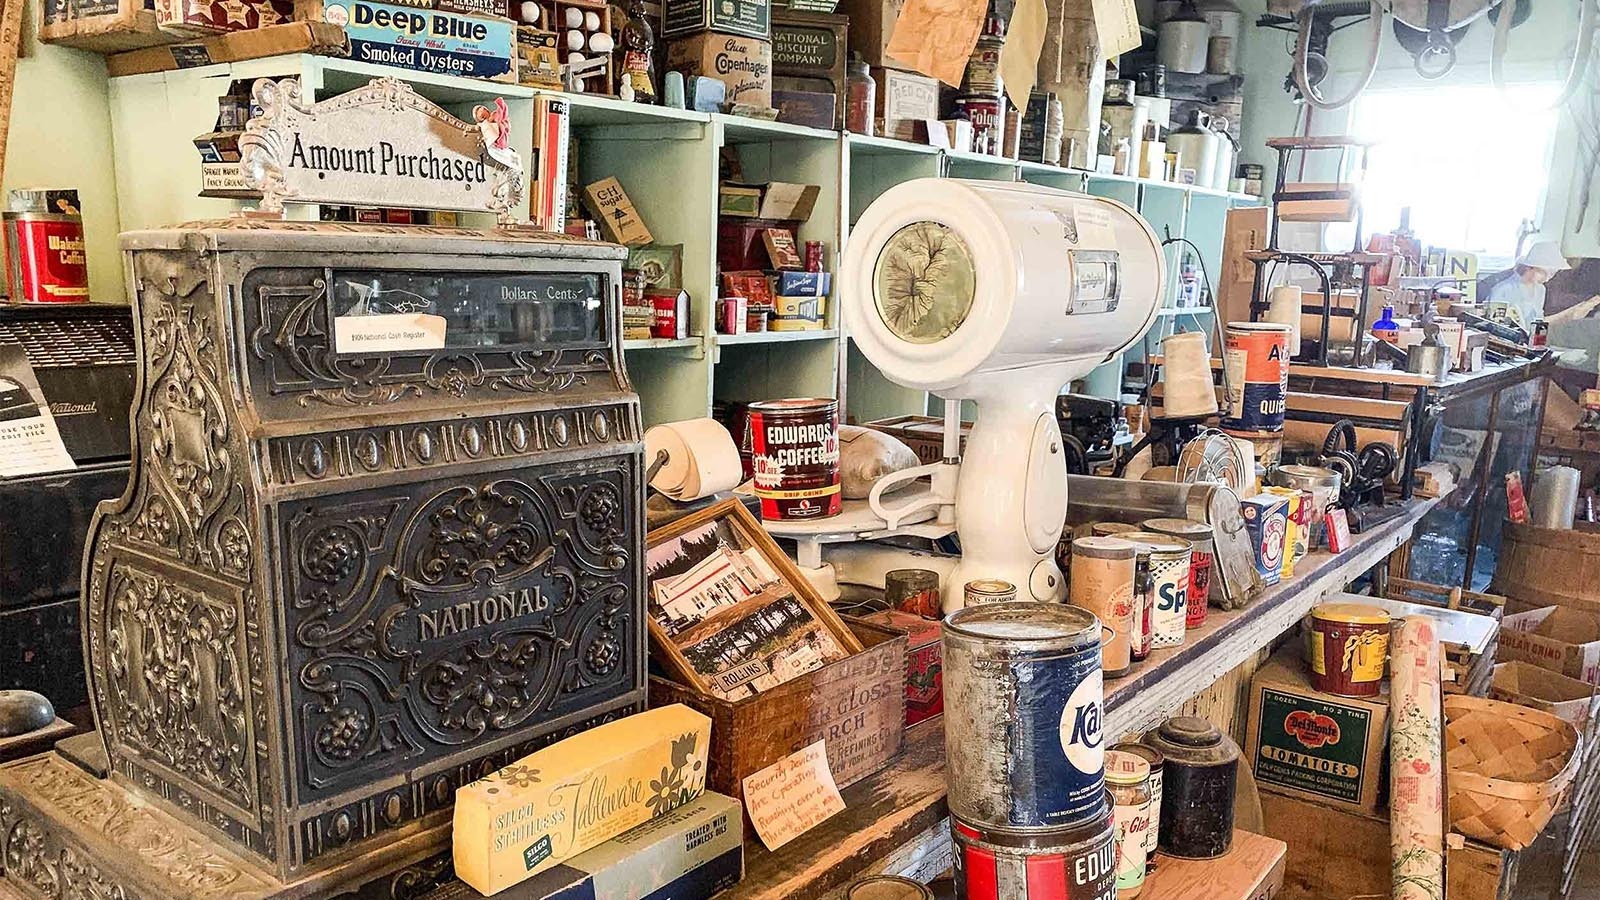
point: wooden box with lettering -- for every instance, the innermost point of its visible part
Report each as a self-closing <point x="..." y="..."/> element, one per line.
<point x="856" y="706"/>
<point x="808" y="55"/>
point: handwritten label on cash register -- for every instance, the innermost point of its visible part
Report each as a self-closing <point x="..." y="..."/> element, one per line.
<point x="792" y="796"/>
<point x="388" y="333"/>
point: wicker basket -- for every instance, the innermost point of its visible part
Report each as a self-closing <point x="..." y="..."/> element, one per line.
<point x="1507" y="768"/>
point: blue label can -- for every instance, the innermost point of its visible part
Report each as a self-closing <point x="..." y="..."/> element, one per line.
<point x="1024" y="715"/>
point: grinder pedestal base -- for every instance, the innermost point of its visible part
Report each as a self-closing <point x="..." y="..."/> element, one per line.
<point x="66" y="833"/>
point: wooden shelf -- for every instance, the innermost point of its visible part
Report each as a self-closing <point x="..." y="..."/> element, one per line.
<point x="1252" y="869"/>
<point x="776" y="337"/>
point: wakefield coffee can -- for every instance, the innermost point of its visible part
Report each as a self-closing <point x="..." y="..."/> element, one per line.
<point x="1023" y="697"/>
<point x="1077" y="863"/>
<point x="794" y="446"/>
<point x="1256" y="356"/>
<point x="1168" y="567"/>
<point x="988" y="590"/>
<point x="1102" y="582"/>
<point x="45" y="258"/>
<point x="1202" y="541"/>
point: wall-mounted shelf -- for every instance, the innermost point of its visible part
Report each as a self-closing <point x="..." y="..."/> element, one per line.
<point x="776" y="337"/>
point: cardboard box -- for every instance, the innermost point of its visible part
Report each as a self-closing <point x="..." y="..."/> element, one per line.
<point x="619" y="221"/>
<point x="1557" y="638"/>
<point x="787" y="202"/>
<point x="782" y="252"/>
<point x="538" y="58"/>
<point x="103" y="26"/>
<point x="1526" y="684"/>
<point x="871" y="25"/>
<point x="743" y="64"/>
<point x="436" y="41"/>
<point x="200" y="18"/>
<point x="904" y="100"/>
<point x="1317" y="746"/>
<point x="749" y="18"/>
<point x="799" y="314"/>
<point x="813" y="109"/>
<point x="547" y="170"/>
<point x="739" y="200"/>
<point x="235" y="46"/>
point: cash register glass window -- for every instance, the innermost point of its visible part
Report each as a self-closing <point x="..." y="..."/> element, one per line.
<point x="489" y="309"/>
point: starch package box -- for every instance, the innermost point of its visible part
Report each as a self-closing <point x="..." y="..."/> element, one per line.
<point x="425" y="40"/>
<point x="743" y="64"/>
<point x="1318" y="746"/>
<point x="551" y="805"/>
<point x="695" y="850"/>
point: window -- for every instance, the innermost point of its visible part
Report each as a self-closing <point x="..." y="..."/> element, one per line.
<point x="1472" y="164"/>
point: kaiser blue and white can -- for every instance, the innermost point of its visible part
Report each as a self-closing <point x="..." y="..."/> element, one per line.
<point x="1024" y="701"/>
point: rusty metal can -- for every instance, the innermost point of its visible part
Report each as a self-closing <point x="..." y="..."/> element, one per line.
<point x="1024" y="697"/>
<point x="1202" y="541"/>
<point x="1059" y="864"/>
<point x="988" y="590"/>
<point x="914" y="591"/>
<point x="795" y="446"/>
<point x="1102" y="577"/>
<point x="1200" y="777"/>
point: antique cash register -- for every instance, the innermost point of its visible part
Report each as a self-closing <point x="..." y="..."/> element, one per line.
<point x="383" y="535"/>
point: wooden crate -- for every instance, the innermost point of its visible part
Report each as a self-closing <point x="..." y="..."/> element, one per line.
<point x="1339" y="855"/>
<point x="857" y="705"/>
<point x="107" y="26"/>
<point x="923" y="434"/>
<point x="1473" y="672"/>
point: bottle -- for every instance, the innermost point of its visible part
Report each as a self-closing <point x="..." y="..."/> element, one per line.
<point x="1386" y="328"/>
<point x="861" y="96"/>
<point x="639" y="53"/>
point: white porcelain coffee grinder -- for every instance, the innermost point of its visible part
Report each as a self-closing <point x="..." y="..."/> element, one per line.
<point x="999" y="293"/>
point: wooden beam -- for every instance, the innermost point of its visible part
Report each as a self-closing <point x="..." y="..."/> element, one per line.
<point x="11" y="12"/>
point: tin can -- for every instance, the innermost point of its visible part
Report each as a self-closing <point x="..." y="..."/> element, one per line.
<point x="1202" y="559"/>
<point x="1157" y="762"/>
<point x="1102" y="576"/>
<point x="734" y="311"/>
<point x="1349" y="648"/>
<point x="1169" y="585"/>
<point x="45" y="257"/>
<point x="1128" y="778"/>
<point x="988" y="590"/>
<point x="1059" y="864"/>
<point x="988" y="124"/>
<point x="887" y="887"/>
<point x="1107" y="529"/>
<point x="1256" y="357"/>
<point x="1200" y="776"/>
<point x="1023" y="698"/>
<point x="1266" y="521"/>
<point x="914" y="591"/>
<point x="1539" y="336"/>
<point x="795" y="448"/>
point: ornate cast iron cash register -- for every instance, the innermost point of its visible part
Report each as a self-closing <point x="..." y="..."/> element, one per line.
<point x="383" y="535"/>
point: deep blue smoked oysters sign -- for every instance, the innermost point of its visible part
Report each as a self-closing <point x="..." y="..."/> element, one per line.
<point x="427" y="40"/>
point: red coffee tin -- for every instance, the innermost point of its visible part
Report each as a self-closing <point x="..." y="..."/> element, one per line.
<point x="671" y="314"/>
<point x="1075" y="863"/>
<point x="1349" y="648"/>
<point x="795" y="445"/>
<point x="45" y="261"/>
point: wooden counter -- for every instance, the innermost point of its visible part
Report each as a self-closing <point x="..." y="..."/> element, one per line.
<point x="896" y="821"/>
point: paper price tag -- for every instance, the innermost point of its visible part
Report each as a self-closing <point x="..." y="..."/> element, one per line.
<point x="792" y="796"/>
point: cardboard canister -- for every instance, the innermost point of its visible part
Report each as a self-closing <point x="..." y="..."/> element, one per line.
<point x="1349" y="648"/>
<point x="1102" y="575"/>
<point x="1255" y="357"/>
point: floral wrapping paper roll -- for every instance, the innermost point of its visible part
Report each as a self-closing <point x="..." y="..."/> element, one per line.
<point x="1416" y="763"/>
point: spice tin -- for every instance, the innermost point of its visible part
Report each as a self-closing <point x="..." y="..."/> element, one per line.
<point x="988" y="590"/>
<point x="795" y="444"/>
<point x="1106" y="529"/>
<point x="1266" y="521"/>
<point x="1169" y="585"/>
<point x="913" y="591"/>
<point x="1198" y="781"/>
<point x="887" y="887"/>
<point x="1102" y="576"/>
<point x="1023" y="697"/>
<point x="1157" y="763"/>
<point x="1202" y="560"/>
<point x="1128" y="778"/>
<point x="45" y="259"/>
<point x="1256" y="358"/>
<point x="1060" y="864"/>
<point x="1349" y="648"/>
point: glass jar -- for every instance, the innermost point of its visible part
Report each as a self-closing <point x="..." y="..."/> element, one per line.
<point x="861" y="96"/>
<point x="1128" y="778"/>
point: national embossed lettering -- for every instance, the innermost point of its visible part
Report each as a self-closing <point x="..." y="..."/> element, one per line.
<point x="479" y="612"/>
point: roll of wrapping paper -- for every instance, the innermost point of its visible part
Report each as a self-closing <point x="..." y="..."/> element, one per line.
<point x="702" y="458"/>
<point x="1283" y="307"/>
<point x="1555" y="497"/>
<point x="1188" y="390"/>
<point x="1416" y="762"/>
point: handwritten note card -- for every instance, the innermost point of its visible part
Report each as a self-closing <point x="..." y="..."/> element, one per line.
<point x="1117" y="24"/>
<point x="792" y="796"/>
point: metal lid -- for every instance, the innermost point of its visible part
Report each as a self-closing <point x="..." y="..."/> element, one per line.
<point x="1024" y="622"/>
<point x="1125" y="768"/>
<point x="1351" y="613"/>
<point x="1151" y="542"/>
<point x="1104" y="548"/>
<point x="1184" y="528"/>
<point x="913" y="578"/>
<point x="1190" y="731"/>
<point x="795" y="405"/>
<point x="1258" y="326"/>
<point x="1106" y="529"/>
<point x="1146" y="752"/>
<point x="887" y="887"/>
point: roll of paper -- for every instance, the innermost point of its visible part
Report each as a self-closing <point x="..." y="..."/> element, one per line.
<point x="1416" y="762"/>
<point x="1189" y="392"/>
<point x="1283" y="307"/>
<point x="701" y="458"/>
<point x="1555" y="497"/>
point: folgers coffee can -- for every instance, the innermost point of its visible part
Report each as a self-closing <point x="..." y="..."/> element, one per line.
<point x="1256" y="357"/>
<point x="988" y="590"/>
<point x="1349" y="648"/>
<point x="1102" y="576"/>
<point x="1023" y="700"/>
<point x="1202" y="559"/>
<point x="1168" y="565"/>
<point x="45" y="257"/>
<point x="1078" y="863"/>
<point x="795" y="454"/>
<point x="988" y="123"/>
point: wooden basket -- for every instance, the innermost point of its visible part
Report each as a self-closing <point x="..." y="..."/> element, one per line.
<point x="1508" y="767"/>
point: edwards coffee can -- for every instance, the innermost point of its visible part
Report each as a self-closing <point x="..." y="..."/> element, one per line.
<point x="795" y="454"/>
<point x="1078" y="863"/>
<point x="1168" y="567"/>
<point x="1202" y="541"/>
<point x="1256" y="357"/>
<point x="1349" y="648"/>
<point x="1023" y="698"/>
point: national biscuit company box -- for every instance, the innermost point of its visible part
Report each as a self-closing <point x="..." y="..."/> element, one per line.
<point x="426" y="40"/>
<point x="743" y="64"/>
<point x="1557" y="638"/>
<point x="554" y="804"/>
<point x="1318" y="746"/>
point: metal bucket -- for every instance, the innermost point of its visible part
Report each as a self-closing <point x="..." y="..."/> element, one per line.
<point x="1024" y="699"/>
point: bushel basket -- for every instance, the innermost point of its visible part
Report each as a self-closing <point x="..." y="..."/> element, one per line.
<point x="1507" y="769"/>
